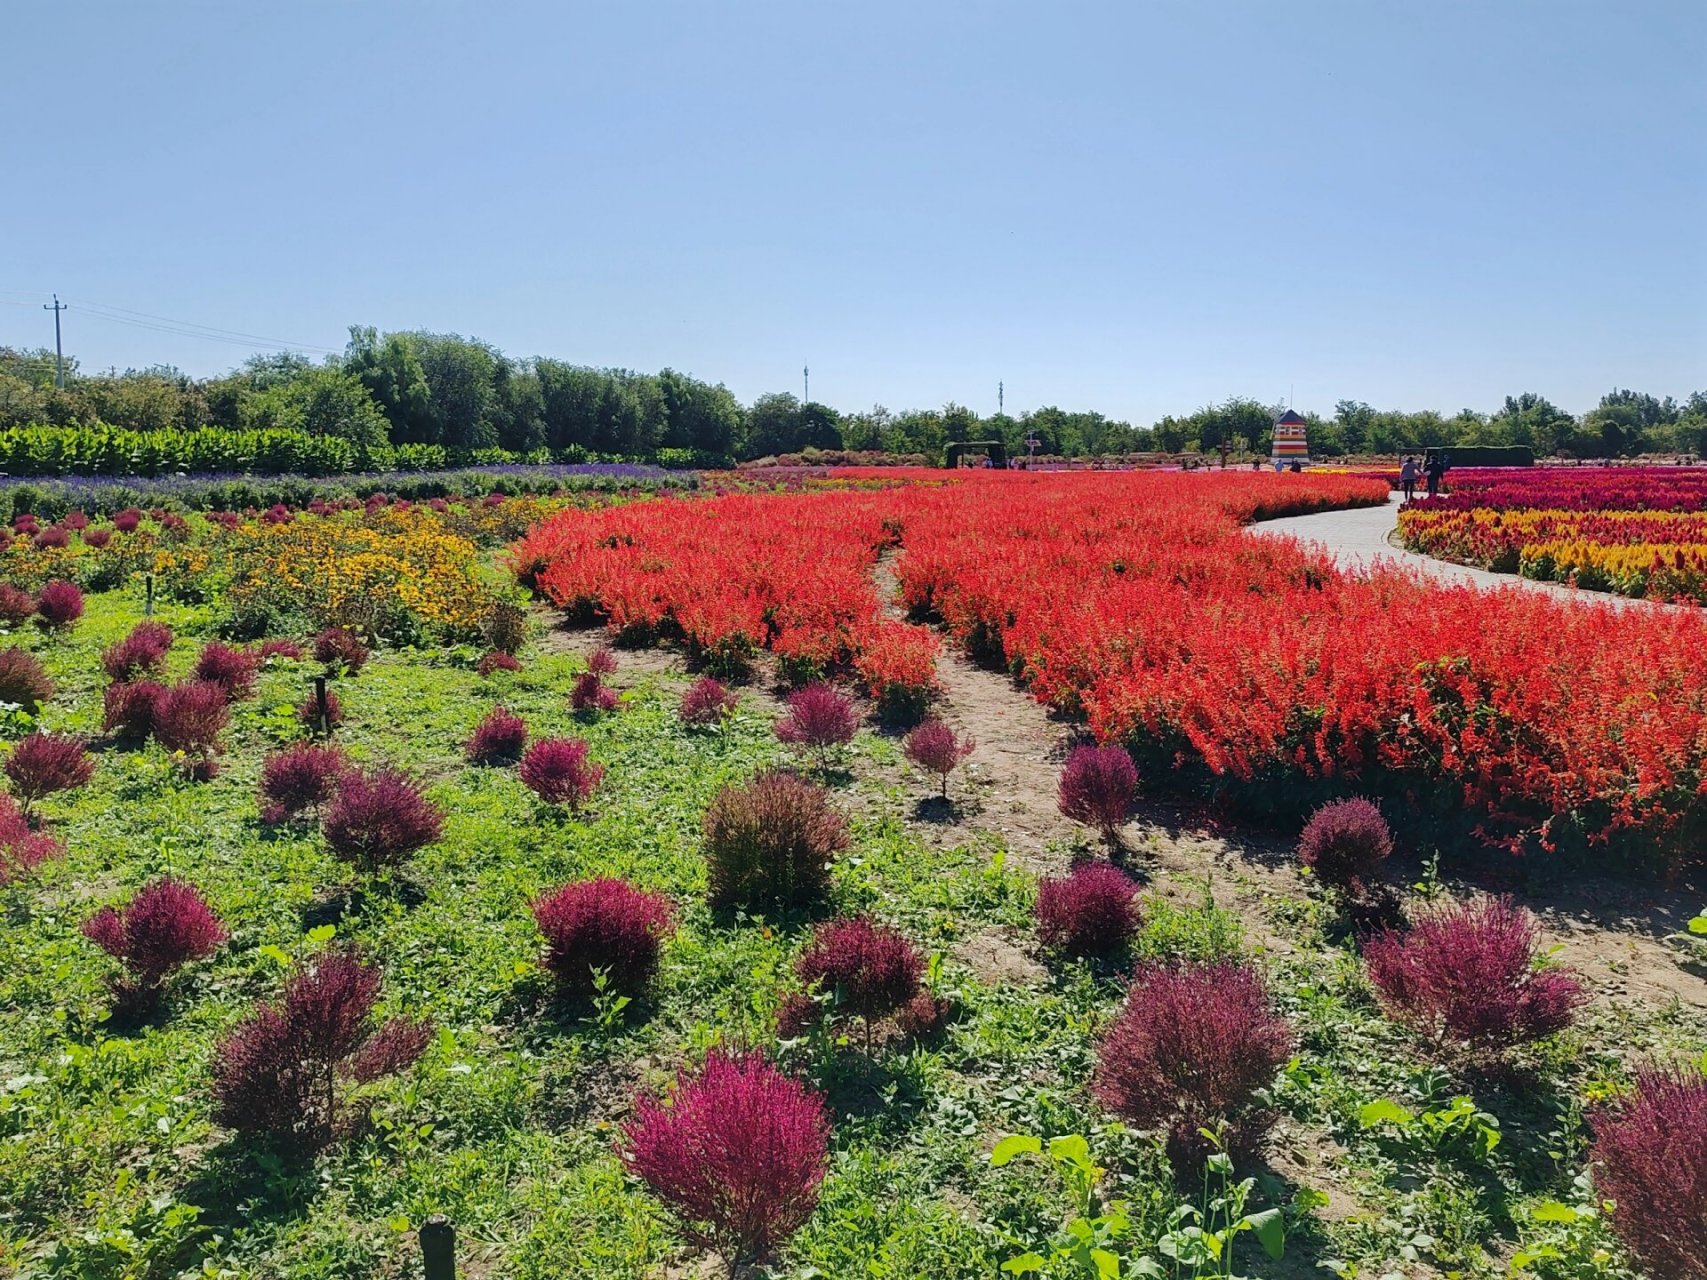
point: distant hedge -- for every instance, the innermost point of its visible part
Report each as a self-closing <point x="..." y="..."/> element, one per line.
<point x="1487" y="455"/>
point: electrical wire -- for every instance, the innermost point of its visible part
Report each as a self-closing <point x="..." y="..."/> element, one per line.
<point x="189" y="326"/>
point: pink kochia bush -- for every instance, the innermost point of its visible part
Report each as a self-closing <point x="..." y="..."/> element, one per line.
<point x="231" y="669"/>
<point x="380" y="819"/>
<point x="336" y="648"/>
<point x="1091" y="911"/>
<point x="16" y="604"/>
<point x="24" y="682"/>
<point x="44" y="763"/>
<point x="500" y="736"/>
<point x="1097" y="787"/>
<point x="188" y="720"/>
<point x="936" y="748"/>
<point x="300" y="779"/>
<point x="558" y="772"/>
<point x="164" y="927"/>
<point x="601" y="662"/>
<point x="498" y="660"/>
<point x="1190" y="1051"/>
<point x="276" y="1076"/>
<point x="1465" y="977"/>
<point x="313" y="713"/>
<point x="129" y="708"/>
<point x="867" y="971"/>
<point x="142" y="652"/>
<point x="771" y="841"/>
<point x="1345" y="844"/>
<point x="1650" y="1159"/>
<point x="707" y="703"/>
<point x="59" y="605"/>
<point x="819" y="718"/>
<point x="592" y="694"/>
<point x="739" y="1153"/>
<point x="603" y="924"/>
<point x="22" y="849"/>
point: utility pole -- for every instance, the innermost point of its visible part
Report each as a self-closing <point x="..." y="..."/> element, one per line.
<point x="805" y="384"/>
<point x="1000" y="412"/>
<point x="58" y="350"/>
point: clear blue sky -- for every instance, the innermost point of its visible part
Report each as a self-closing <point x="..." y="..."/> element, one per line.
<point x="1128" y="206"/>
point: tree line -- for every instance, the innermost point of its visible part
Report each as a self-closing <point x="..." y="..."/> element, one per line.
<point x="465" y="395"/>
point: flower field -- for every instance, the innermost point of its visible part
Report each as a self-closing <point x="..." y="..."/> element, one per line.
<point x="1638" y="531"/>
<point x="341" y="886"/>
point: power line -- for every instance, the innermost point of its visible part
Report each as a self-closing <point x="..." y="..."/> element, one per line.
<point x="210" y="329"/>
<point x="204" y="335"/>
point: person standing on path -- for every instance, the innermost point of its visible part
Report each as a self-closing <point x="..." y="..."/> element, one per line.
<point x="1435" y="471"/>
<point x="1408" y="477"/>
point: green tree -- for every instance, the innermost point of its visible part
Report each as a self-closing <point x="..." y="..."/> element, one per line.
<point x="324" y="402"/>
<point x="391" y="370"/>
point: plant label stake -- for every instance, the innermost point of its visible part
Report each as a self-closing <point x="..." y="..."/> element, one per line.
<point x="438" y="1248"/>
<point x="322" y="712"/>
<point x="148" y="604"/>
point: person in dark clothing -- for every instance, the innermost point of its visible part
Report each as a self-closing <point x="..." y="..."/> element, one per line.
<point x="1435" y="471"/>
<point x="1408" y="477"/>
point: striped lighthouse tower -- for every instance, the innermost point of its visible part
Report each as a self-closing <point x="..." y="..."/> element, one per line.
<point x="1290" y="442"/>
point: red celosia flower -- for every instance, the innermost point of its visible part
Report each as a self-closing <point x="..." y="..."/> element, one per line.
<point x="380" y="819"/>
<point x="1091" y="911"/>
<point x="164" y="927"/>
<point x="59" y="605"/>
<point x="707" y="703"/>
<point x="1189" y="1052"/>
<point x="335" y="647"/>
<point x="24" y="682"/>
<point x="936" y="748"/>
<point x="188" y="719"/>
<point x="498" y="660"/>
<point x="1346" y="843"/>
<point x="22" y="850"/>
<point x="1650" y="1160"/>
<point x="1464" y="975"/>
<point x="603" y="924"/>
<point x="16" y="604"/>
<point x="818" y="718"/>
<point x="143" y="651"/>
<point x="499" y="736"/>
<point x="771" y="840"/>
<point x="1097" y="787"/>
<point x="130" y="708"/>
<point x="299" y="779"/>
<point x="557" y="771"/>
<point x="44" y="763"/>
<point x="739" y="1153"/>
<point x="871" y="971"/>
<point x="231" y="669"/>
<point x="276" y="1075"/>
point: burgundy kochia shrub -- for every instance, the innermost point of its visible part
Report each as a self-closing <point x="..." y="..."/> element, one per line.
<point x="16" y="604"/>
<point x="275" y="1077"/>
<point x="558" y="772"/>
<point x="1650" y="1159"/>
<point x="231" y="669"/>
<point x="606" y="924"/>
<point x="164" y="927"/>
<point x="936" y="748"/>
<point x="44" y="763"/>
<point x="142" y="652"/>
<point x="299" y="779"/>
<point x="498" y="660"/>
<point x="1091" y="911"/>
<point x="130" y="708"/>
<point x="707" y="703"/>
<point x="379" y="819"/>
<point x="278" y="647"/>
<point x="1345" y="844"/>
<point x="592" y="694"/>
<point x="601" y="662"/>
<point x="127" y="520"/>
<point x="1189" y="1052"/>
<point x="770" y="841"/>
<point x="312" y="712"/>
<point x="22" y="850"/>
<point x="335" y="647"/>
<point x="76" y="520"/>
<point x="871" y="972"/>
<point x="500" y="736"/>
<point x="97" y="538"/>
<point x="52" y="536"/>
<point x="24" y="682"/>
<point x="1097" y="787"/>
<point x="739" y="1153"/>
<point x="188" y="720"/>
<point x="1464" y="976"/>
<point x="818" y="718"/>
<point x="59" y="605"/>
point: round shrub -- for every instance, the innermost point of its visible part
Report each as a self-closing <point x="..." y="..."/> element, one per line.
<point x="142" y="652"/>
<point x="590" y="693"/>
<point x="558" y="772"/>
<point x="1346" y="844"/>
<point x="739" y="1153"/>
<point x="188" y="720"/>
<point x="1650" y="1160"/>
<point x="601" y="662"/>
<point x="97" y="538"/>
<point x="126" y="521"/>
<point x="58" y="605"/>
<point x="1190" y="1051"/>
<point x="22" y="849"/>
<point x="164" y="927"/>
<point x="500" y="736"/>
<point x="819" y="718"/>
<point x="231" y="669"/>
<point x="498" y="660"/>
<point x="1091" y="911"/>
<point x="24" y="682"/>
<point x="45" y="763"/>
<point x="16" y="605"/>
<point x="380" y="819"/>
<point x="130" y="708"/>
<point x="53" y="536"/>
<point x="871" y="972"/>
<point x="771" y="841"/>
<point x="1465" y="977"/>
<point x="300" y="779"/>
<point x="603" y="924"/>
<point x="1097" y="787"/>
<point x="936" y="748"/>
<point x="278" y="647"/>
<point x="312" y="712"/>
<point x="335" y="648"/>
<point x="707" y="703"/>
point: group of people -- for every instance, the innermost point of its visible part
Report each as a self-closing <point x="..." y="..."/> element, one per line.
<point x="1432" y="469"/>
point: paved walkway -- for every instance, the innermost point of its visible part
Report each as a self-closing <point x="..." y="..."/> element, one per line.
<point x="1359" y="537"/>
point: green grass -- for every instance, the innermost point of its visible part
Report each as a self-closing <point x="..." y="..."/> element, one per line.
<point x="110" y="1166"/>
